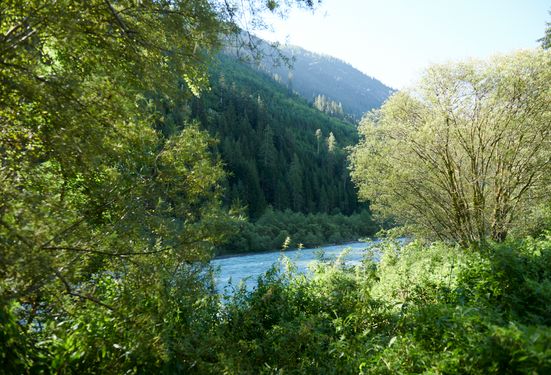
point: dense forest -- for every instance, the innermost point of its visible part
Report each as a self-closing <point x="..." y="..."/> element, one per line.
<point x="122" y="175"/>
<point x="280" y="154"/>
<point x="278" y="149"/>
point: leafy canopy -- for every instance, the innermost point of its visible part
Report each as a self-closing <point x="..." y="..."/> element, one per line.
<point x="466" y="154"/>
<point x="100" y="212"/>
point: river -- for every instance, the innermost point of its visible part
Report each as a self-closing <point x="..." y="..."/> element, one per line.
<point x="248" y="267"/>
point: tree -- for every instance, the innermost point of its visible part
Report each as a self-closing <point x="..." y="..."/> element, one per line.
<point x="319" y="135"/>
<point x="320" y="103"/>
<point x="84" y="174"/>
<point x="102" y="210"/>
<point x="331" y="143"/>
<point x="546" y="39"/>
<point x="467" y="153"/>
<point x="296" y="184"/>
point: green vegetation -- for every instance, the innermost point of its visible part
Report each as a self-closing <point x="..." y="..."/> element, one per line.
<point x="278" y="150"/>
<point x="280" y="154"/>
<point x="421" y="309"/>
<point x="111" y="196"/>
<point x="436" y="309"/>
<point x="271" y="230"/>
<point x="99" y="212"/>
<point x="287" y="169"/>
<point x="466" y="155"/>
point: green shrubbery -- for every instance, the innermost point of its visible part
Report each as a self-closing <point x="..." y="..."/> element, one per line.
<point x="273" y="227"/>
<point x="430" y="309"/>
<point x="421" y="308"/>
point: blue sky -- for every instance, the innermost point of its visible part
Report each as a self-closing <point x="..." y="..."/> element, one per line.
<point x="394" y="40"/>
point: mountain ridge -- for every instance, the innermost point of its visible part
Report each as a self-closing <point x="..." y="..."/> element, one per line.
<point x="313" y="76"/>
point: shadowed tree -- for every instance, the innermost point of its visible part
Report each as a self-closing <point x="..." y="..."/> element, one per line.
<point x="104" y="208"/>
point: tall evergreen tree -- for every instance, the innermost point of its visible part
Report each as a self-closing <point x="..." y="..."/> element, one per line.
<point x="331" y="143"/>
<point x="296" y="184"/>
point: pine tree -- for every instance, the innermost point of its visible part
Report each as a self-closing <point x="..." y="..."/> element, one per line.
<point x="319" y="135"/>
<point x="296" y="184"/>
<point x="331" y="143"/>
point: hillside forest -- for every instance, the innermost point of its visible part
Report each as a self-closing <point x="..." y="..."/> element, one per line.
<point x="135" y="147"/>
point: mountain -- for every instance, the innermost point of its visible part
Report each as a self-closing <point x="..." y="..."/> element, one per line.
<point x="328" y="82"/>
<point x="278" y="149"/>
<point x="286" y="161"/>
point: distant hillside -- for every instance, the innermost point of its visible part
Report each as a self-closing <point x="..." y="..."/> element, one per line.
<point x="328" y="82"/>
<point x="286" y="162"/>
<point x="279" y="151"/>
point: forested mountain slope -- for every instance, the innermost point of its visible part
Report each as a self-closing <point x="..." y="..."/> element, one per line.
<point x="279" y="150"/>
<point x="333" y="85"/>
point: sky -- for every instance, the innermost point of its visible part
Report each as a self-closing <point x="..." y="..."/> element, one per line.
<point x="395" y="40"/>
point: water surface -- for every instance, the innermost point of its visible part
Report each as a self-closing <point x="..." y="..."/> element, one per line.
<point x="248" y="267"/>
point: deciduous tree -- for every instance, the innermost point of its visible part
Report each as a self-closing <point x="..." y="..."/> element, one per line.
<point x="101" y="212"/>
<point x="467" y="153"/>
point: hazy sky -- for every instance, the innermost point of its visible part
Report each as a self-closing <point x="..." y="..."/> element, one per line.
<point x="394" y="40"/>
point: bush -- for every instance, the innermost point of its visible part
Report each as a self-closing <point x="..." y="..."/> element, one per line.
<point x="273" y="227"/>
<point x="422" y="308"/>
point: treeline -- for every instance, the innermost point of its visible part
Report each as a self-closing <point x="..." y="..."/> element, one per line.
<point x="279" y="151"/>
<point x="273" y="228"/>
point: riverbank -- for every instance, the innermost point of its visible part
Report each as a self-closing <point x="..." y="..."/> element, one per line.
<point x="290" y="249"/>
<point x="433" y="309"/>
<point x="274" y="228"/>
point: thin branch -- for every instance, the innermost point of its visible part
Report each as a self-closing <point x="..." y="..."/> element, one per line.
<point x="87" y="297"/>
<point x="119" y="21"/>
<point x="92" y="251"/>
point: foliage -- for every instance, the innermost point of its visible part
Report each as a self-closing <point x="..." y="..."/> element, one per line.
<point x="108" y="206"/>
<point x="422" y="309"/>
<point x="87" y="182"/>
<point x="269" y="144"/>
<point x="273" y="227"/>
<point x="465" y="156"/>
<point x="103" y="216"/>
